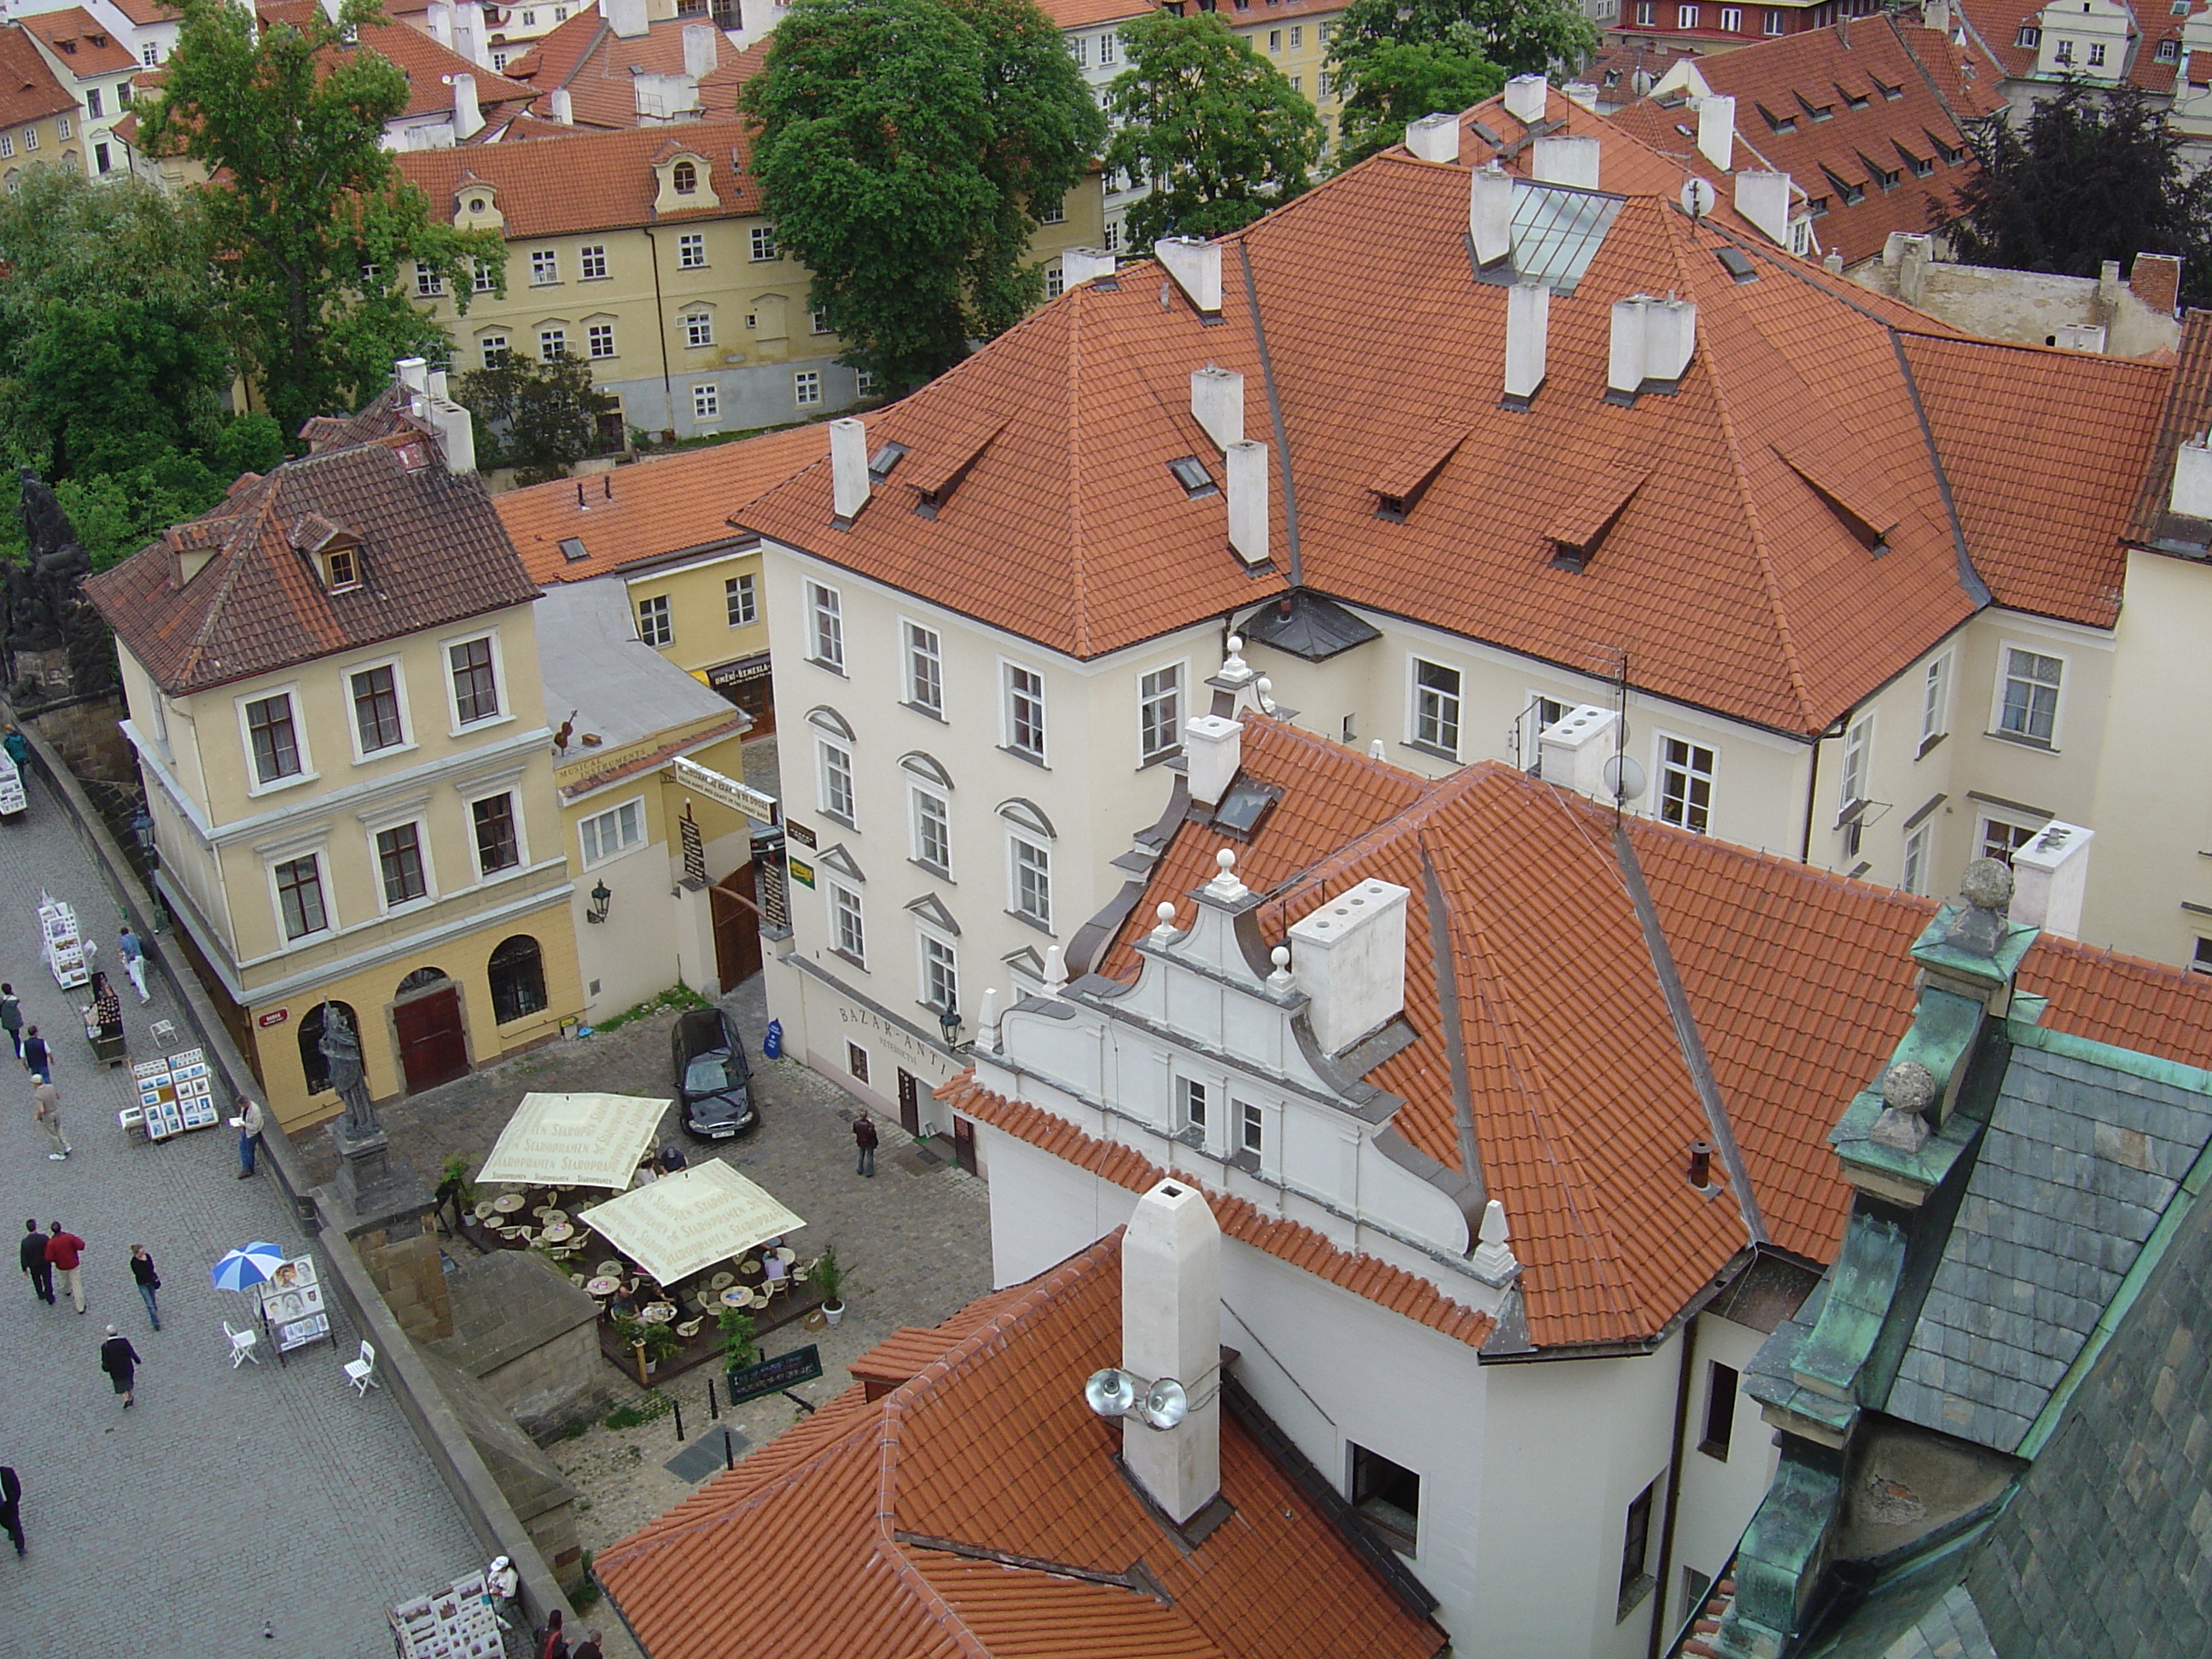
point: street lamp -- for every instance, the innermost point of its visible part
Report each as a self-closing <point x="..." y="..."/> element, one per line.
<point x="600" y="899"/>
<point x="948" y="1022"/>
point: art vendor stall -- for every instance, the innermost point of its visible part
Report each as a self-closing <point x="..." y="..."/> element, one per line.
<point x="456" y="1623"/>
<point x="175" y="1093"/>
<point x="292" y="1311"/>
<point x="60" y="943"/>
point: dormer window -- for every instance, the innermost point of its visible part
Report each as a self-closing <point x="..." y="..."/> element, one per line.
<point x="685" y="179"/>
<point x="341" y="569"/>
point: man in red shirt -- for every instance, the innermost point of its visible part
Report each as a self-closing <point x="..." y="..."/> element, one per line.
<point x="63" y="1250"/>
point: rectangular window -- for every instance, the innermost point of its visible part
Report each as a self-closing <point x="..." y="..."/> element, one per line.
<point x="612" y="832"/>
<point x="856" y="1057"/>
<point x="1686" y="17"/>
<point x="1053" y="213"/>
<point x="1686" y="784"/>
<point x="699" y="328"/>
<point x="30" y="137"/>
<point x="602" y="338"/>
<point x="497" y="846"/>
<point x="149" y="54"/>
<point x="818" y="321"/>
<point x="1032" y="882"/>
<point x="552" y="344"/>
<point x="2001" y="840"/>
<point x="741" y="599"/>
<point x="654" y="626"/>
<point x="1297" y="38"/>
<point x="1858" y="754"/>
<point x="924" y="668"/>
<point x="1732" y="19"/>
<point x="62" y="127"/>
<point x="1025" y="712"/>
<point x="863" y="382"/>
<point x="763" y="242"/>
<point x="836" y="781"/>
<point x="1190" y="1110"/>
<point x="1275" y="40"/>
<point x="940" y="975"/>
<point x="1079" y="49"/>
<point x="1159" y="713"/>
<point x="1774" y="22"/>
<point x="476" y="684"/>
<point x="2201" y="960"/>
<point x="1720" y="1410"/>
<point x="932" y="830"/>
<point x="376" y="710"/>
<point x="1250" y="1130"/>
<point x="300" y="896"/>
<point x="2030" y="36"/>
<point x="2169" y="52"/>
<point x="1914" y="878"/>
<point x="848" y="937"/>
<point x="1934" y="702"/>
<point x="1390" y="1495"/>
<point x="494" y="350"/>
<point x="706" y="401"/>
<point x="427" y="283"/>
<point x="2030" y="709"/>
<point x="2065" y="52"/>
<point x="544" y="266"/>
<point x="1055" y="281"/>
<point x="806" y="387"/>
<point x="1109" y="46"/>
<point x="1435" y="707"/>
<point x="829" y="626"/>
<point x="592" y="262"/>
<point x="93" y="106"/>
<point x="1636" y="1551"/>
<point x="399" y="862"/>
<point x="691" y="251"/>
<point x="483" y="276"/>
<point x="7" y="143"/>
<point x="275" y="745"/>
<point x="2096" y="53"/>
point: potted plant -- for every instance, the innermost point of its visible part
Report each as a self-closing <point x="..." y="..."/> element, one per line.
<point x="829" y="1282"/>
<point x="630" y="1332"/>
<point x="455" y="1188"/>
<point x="739" y="1350"/>
<point x="661" y="1344"/>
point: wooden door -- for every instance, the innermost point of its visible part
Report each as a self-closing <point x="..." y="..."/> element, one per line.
<point x="737" y="927"/>
<point x="433" y="1043"/>
<point x="909" y="1102"/>
<point x="964" y="1145"/>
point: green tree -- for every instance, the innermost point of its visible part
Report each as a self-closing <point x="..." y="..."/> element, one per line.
<point x="2092" y="174"/>
<point x="1399" y="82"/>
<point x="905" y="149"/>
<point x="1220" y="133"/>
<point x="536" y="417"/>
<point x="309" y="217"/>
<point x="1522" y="37"/>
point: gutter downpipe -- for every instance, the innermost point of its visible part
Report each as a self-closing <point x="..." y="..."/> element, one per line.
<point x="668" y="381"/>
<point x="1683" y="1382"/>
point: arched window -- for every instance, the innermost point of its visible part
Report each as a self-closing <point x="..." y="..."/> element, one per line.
<point x="927" y="767"/>
<point x="686" y="178"/>
<point x="421" y="980"/>
<point x="311" y="1042"/>
<point x="826" y="718"/>
<point x="517" y="972"/>
<point x="1025" y="814"/>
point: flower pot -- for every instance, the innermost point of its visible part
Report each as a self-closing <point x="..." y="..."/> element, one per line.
<point x="834" y="1312"/>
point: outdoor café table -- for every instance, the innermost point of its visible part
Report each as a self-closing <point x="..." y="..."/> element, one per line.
<point x="738" y="1297"/>
<point x="558" y="1232"/>
<point x="659" y="1313"/>
<point x="507" y="1203"/>
<point x="604" y="1285"/>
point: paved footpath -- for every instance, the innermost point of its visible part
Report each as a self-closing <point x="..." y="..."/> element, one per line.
<point x="223" y="1501"/>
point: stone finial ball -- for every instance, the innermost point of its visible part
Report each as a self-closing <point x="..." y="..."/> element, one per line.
<point x="1226" y="859"/>
<point x="1909" y="1086"/>
<point x="1280" y="955"/>
<point x="1165" y="912"/>
<point x="1986" y="884"/>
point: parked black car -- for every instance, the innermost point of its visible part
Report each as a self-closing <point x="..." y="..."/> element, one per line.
<point x="712" y="1079"/>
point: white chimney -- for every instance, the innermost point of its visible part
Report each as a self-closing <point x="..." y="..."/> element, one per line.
<point x="1217" y="403"/>
<point x="560" y="107"/>
<point x="1434" y="138"/>
<point x="1213" y="750"/>
<point x="701" y="50"/>
<point x="469" y="38"/>
<point x="1670" y="336"/>
<point x="661" y="97"/>
<point x="2192" y="479"/>
<point x="1573" y="749"/>
<point x="1528" y="323"/>
<point x="1195" y="264"/>
<point x="1717" y="130"/>
<point x="1561" y="159"/>
<point x="433" y="383"/>
<point x="1171" y="1327"/>
<point x="1350" y="958"/>
<point x="848" y="468"/>
<point x="1085" y="264"/>
<point x="457" y="434"/>
<point x="413" y="373"/>
<point x="1624" y="370"/>
<point x="1764" y="199"/>
<point x="1936" y="14"/>
<point x="441" y="22"/>
<point x="468" y="119"/>
<point x="625" y="17"/>
<point x="1584" y="94"/>
<point x="1490" y="213"/>
<point x="2048" y="877"/>
<point x="1247" y="465"/>
<point x="1525" y="98"/>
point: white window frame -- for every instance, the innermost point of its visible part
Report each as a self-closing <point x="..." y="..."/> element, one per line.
<point x="595" y="335"/>
<point x="742" y="593"/>
<point x="591" y="263"/>
<point x="839" y="902"/>
<point x="544" y="267"/>
<point x="834" y="759"/>
<point x="691" y="251"/>
<point x="399" y="667"/>
<point x="422" y="829"/>
<point x="1934" y="702"/>
<point x="1016" y="844"/>
<point x="494" y="349"/>
<point x="1732" y="19"/>
<point x="2003" y="677"/>
<point x="498" y="681"/>
<point x="1919" y="852"/>
<point x="306" y="773"/>
<point x="1188" y="1090"/>
<point x="825" y="627"/>
<point x="270" y="866"/>
<point x="1250" y="1130"/>
<point x="1659" y="766"/>
<point x="1008" y="692"/>
<point x="917" y="849"/>
<point x="923" y="649"/>
<point x="706" y="401"/>
<point x="761" y="244"/>
<point x="1415" y="714"/>
<point x="1858" y="761"/>
<point x="927" y="939"/>
<point x="807" y="388"/>
<point x="607" y="853"/>
<point x="656" y="627"/>
<point x="2024" y="830"/>
<point x="553" y="344"/>
<point x="511" y="789"/>
<point x="698" y="329"/>
<point x="1148" y="755"/>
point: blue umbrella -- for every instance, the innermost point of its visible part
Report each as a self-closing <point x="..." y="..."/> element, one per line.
<point x="254" y="1264"/>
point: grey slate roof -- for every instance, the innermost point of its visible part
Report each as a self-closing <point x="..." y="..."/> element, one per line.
<point x="1952" y="1629"/>
<point x="2080" y="1158"/>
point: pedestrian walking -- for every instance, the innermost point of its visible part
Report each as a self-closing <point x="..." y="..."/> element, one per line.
<point x="249" y="1123"/>
<point x="36" y="1061"/>
<point x="149" y="1281"/>
<point x="589" y="1648"/>
<point x="120" y="1361"/>
<point x="552" y="1640"/>
<point x="134" y="960"/>
<point x="64" y="1251"/>
<point x="33" y="1253"/>
<point x="863" y="1137"/>
<point x="11" y="1507"/>
<point x="18" y="747"/>
<point x="11" y="1017"/>
<point x="47" y="1108"/>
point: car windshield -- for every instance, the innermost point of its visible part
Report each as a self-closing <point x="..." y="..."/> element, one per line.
<point x="708" y="1072"/>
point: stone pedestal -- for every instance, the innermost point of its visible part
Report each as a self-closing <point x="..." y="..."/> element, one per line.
<point x="389" y="1216"/>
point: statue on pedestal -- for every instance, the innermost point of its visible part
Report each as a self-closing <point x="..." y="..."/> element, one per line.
<point x="342" y="1054"/>
<point x="44" y="612"/>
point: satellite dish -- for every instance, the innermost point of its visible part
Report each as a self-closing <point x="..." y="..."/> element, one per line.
<point x="1165" y="1404"/>
<point x="1624" y="778"/>
<point x="1698" y="197"/>
<point x="1111" y="1393"/>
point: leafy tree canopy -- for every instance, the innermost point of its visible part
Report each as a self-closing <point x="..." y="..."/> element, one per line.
<point x="1220" y="133"/>
<point x="2094" y="174"/>
<point x="536" y="417"/>
<point x="1522" y="37"/>
<point x="1399" y="82"/>
<point x="309" y="217"/>
<point x="905" y="149"/>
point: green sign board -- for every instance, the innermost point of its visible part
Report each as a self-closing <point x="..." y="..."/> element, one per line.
<point x="786" y="1370"/>
<point x="800" y="873"/>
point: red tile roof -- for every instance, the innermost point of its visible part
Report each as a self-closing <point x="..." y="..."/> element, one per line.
<point x="145" y="13"/>
<point x="1089" y="14"/>
<point x="1995" y="25"/>
<point x="1728" y="580"/>
<point x="29" y="89"/>
<point x="587" y="58"/>
<point x="1584" y="1108"/>
<point x="88" y="46"/>
<point x="670" y="504"/>
<point x="428" y="65"/>
<point x="590" y="180"/>
<point x="976" y="1508"/>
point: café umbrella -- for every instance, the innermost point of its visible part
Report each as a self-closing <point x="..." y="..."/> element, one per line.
<point x="256" y="1264"/>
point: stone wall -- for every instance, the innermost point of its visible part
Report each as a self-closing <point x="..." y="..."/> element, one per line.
<point x="530" y="1337"/>
<point x="2031" y="307"/>
<point x="401" y="1254"/>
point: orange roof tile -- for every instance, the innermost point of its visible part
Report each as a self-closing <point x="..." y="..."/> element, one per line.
<point x="1995" y="25"/>
<point x="1089" y="14"/>
<point x="88" y="46"/>
<point x="428" y="65"/>
<point x="976" y="1508"/>
<point x="1728" y="580"/>
<point x="669" y="504"/>
<point x="590" y="180"/>
<point x="29" y="89"/>
<point x="1583" y="1106"/>
<point x="587" y="58"/>
<point x="2187" y="412"/>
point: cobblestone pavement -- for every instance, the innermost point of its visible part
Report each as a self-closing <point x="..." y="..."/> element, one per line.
<point x="223" y="1500"/>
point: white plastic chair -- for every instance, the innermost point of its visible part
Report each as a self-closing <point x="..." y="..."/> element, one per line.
<point x="362" y="1372"/>
<point x="242" y="1345"/>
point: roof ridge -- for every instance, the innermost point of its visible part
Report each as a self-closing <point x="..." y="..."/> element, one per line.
<point x="246" y="528"/>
